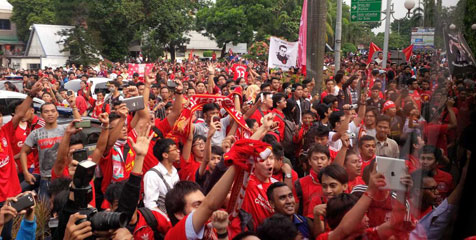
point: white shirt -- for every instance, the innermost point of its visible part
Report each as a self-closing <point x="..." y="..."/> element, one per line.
<point x="154" y="186"/>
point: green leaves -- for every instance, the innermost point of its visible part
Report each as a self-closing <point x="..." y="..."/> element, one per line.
<point x="28" y="12"/>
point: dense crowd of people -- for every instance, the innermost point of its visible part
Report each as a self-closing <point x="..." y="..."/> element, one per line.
<point x="234" y="150"/>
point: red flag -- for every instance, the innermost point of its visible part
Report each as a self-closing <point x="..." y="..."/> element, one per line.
<point x="408" y="52"/>
<point x="303" y="39"/>
<point x="373" y="48"/>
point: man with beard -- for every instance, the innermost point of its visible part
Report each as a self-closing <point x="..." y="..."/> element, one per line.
<point x="282" y="200"/>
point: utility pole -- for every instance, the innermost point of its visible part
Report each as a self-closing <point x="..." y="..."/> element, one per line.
<point x="316" y="41"/>
<point x="387" y="33"/>
<point x="338" y="35"/>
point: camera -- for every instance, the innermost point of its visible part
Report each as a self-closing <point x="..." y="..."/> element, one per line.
<point x="351" y="135"/>
<point x="82" y="191"/>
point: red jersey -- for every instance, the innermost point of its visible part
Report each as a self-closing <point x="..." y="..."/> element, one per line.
<point x="416" y="97"/>
<point x="311" y="188"/>
<point x="118" y="164"/>
<point x="281" y="124"/>
<point x="369" y="234"/>
<point x="239" y="71"/>
<point x="150" y="160"/>
<point x="412" y="163"/>
<point x="256" y="202"/>
<point x="9" y="183"/>
<point x="445" y="184"/>
<point x="258" y="114"/>
<point x="352" y="183"/>
<point x="184" y="230"/>
<point x="142" y="229"/>
<point x="100" y="107"/>
<point x="19" y="138"/>
<point x="188" y="168"/>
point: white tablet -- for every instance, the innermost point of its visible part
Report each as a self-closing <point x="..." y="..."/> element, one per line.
<point x="393" y="169"/>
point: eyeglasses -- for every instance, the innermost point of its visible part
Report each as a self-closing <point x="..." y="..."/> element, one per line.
<point x="433" y="189"/>
<point x="174" y="149"/>
<point x="199" y="144"/>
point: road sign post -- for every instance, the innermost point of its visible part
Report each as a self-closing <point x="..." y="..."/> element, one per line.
<point x="365" y="10"/>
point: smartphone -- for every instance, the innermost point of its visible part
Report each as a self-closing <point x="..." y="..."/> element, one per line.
<point x="134" y="103"/>
<point x="23" y="202"/>
<point x="83" y="124"/>
<point x="80" y="155"/>
<point x="70" y="93"/>
<point x="216" y="119"/>
<point x="171" y="84"/>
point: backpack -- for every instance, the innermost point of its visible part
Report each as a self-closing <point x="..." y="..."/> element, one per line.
<point x="290" y="130"/>
<point x="161" y="200"/>
<point x="152" y="222"/>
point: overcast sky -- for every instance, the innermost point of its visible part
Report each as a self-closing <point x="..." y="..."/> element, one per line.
<point x="400" y="10"/>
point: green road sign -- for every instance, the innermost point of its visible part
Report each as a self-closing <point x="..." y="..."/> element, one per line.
<point x="365" y="10"/>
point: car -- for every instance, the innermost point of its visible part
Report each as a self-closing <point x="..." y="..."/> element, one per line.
<point x="98" y="84"/>
<point x="7" y="97"/>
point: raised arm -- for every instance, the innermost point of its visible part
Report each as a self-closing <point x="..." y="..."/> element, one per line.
<point x="116" y="131"/>
<point x="354" y="216"/>
<point x="208" y="147"/>
<point x="26" y="104"/>
<point x="449" y="106"/>
<point x="340" y="157"/>
<point x="211" y="76"/>
<point x="177" y="106"/>
<point x="72" y="103"/>
<point x="214" y="199"/>
<point x="361" y="113"/>
<point x="187" y="147"/>
<point x="142" y="117"/>
<point x="103" y="137"/>
<point x="263" y="129"/>
<point x="62" y="158"/>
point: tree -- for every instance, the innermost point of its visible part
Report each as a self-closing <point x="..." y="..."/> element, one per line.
<point x="28" y="12"/>
<point x="79" y="43"/>
<point x="349" y="47"/>
<point x="117" y="22"/>
<point x="468" y="20"/>
<point x="396" y="41"/>
<point x="166" y="24"/>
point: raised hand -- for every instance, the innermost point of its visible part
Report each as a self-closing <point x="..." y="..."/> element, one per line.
<point x="319" y="210"/>
<point x="104" y="119"/>
<point x="211" y="68"/>
<point x="79" y="231"/>
<point x="220" y="221"/>
<point x="123" y="111"/>
<point x="141" y="145"/>
<point x="71" y="129"/>
<point x="37" y="87"/>
<point x="72" y="101"/>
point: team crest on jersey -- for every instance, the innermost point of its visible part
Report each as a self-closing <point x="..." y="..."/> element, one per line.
<point x="4" y="142"/>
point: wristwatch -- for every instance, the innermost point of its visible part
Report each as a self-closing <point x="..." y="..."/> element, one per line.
<point x="288" y="175"/>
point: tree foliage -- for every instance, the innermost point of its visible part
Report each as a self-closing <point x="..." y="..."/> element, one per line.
<point x="468" y="20"/>
<point x="28" y="12"/>
<point x="80" y="45"/>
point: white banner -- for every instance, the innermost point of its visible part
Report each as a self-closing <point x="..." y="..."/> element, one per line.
<point x="282" y="54"/>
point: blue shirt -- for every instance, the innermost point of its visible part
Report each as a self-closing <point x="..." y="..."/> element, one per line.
<point x="27" y="230"/>
<point x="435" y="222"/>
<point x="302" y="226"/>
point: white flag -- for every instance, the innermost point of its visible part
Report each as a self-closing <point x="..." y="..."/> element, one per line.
<point x="282" y="54"/>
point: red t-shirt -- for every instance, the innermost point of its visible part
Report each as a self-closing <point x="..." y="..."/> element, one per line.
<point x="150" y="160"/>
<point x="9" y="183"/>
<point x="445" y="184"/>
<point x="412" y="163"/>
<point x="369" y="234"/>
<point x="239" y="70"/>
<point x="142" y="229"/>
<point x="180" y="230"/>
<point x="257" y="115"/>
<point x="435" y="134"/>
<point x="281" y="124"/>
<point x="81" y="104"/>
<point x="311" y="189"/>
<point x="352" y="183"/>
<point x="117" y="165"/>
<point x="19" y="138"/>
<point x="256" y="202"/>
<point x="188" y="169"/>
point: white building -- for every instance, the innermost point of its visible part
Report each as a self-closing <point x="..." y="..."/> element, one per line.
<point x="43" y="48"/>
<point x="9" y="43"/>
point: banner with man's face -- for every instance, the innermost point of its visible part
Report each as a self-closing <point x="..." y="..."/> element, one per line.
<point x="282" y="54"/>
<point x="460" y="58"/>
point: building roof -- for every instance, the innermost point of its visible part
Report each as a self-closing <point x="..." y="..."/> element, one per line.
<point x="5" y="6"/>
<point x="48" y="36"/>
<point x="200" y="42"/>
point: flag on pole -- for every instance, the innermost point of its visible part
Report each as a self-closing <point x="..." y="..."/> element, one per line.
<point x="301" y="61"/>
<point x="408" y="52"/>
<point x="372" y="49"/>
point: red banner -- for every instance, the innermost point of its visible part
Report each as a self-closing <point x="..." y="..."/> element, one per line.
<point x="141" y="69"/>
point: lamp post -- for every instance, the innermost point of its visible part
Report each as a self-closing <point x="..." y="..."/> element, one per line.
<point x="338" y="36"/>
<point x="409" y="5"/>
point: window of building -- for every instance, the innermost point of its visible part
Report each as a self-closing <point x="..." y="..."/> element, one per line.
<point x="4" y="24"/>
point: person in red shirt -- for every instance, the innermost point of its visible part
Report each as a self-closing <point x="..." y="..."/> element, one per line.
<point x="283" y="172"/>
<point x="429" y="158"/>
<point x="352" y="163"/>
<point x="264" y="106"/>
<point x="345" y="214"/>
<point x="413" y="91"/>
<point x="435" y="132"/>
<point x="330" y="89"/>
<point x="309" y="187"/>
<point x="279" y="103"/>
<point x="100" y="106"/>
<point x="9" y="183"/>
<point x="367" y="146"/>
